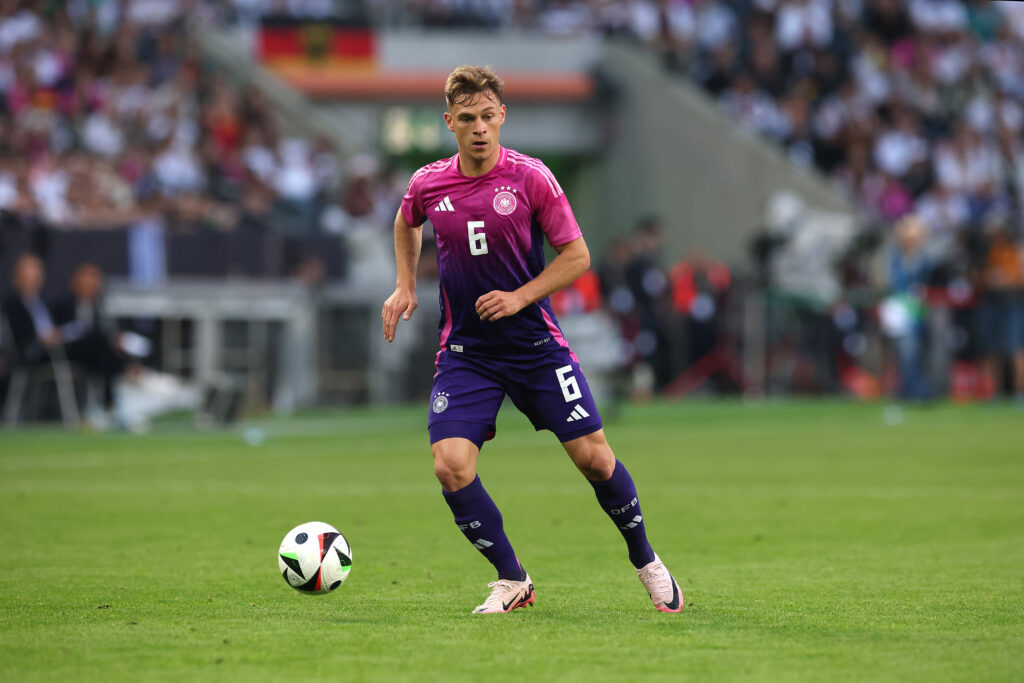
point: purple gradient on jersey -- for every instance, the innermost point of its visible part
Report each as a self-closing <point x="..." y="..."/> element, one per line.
<point x="485" y="245"/>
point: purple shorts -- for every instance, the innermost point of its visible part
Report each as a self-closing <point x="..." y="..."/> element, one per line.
<point x="550" y="390"/>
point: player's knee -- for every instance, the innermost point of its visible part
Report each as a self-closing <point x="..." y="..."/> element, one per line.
<point x="600" y="467"/>
<point x="445" y="475"/>
<point x="594" y="459"/>
<point x="452" y="473"/>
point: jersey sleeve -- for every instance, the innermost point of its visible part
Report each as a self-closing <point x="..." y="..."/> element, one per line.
<point x="412" y="201"/>
<point x="551" y="207"/>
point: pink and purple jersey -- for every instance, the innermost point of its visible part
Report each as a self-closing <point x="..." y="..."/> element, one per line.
<point x="490" y="233"/>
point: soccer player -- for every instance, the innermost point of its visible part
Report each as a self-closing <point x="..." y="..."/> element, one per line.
<point x="491" y="209"/>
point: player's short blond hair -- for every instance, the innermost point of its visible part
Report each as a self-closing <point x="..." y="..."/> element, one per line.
<point x="466" y="82"/>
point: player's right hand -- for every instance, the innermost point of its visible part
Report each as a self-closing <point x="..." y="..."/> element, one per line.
<point x="400" y="304"/>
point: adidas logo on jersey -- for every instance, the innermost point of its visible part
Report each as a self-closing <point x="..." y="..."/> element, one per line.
<point x="445" y="205"/>
<point x="577" y="414"/>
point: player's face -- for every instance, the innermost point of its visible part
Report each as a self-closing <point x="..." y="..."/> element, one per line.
<point x="477" y="127"/>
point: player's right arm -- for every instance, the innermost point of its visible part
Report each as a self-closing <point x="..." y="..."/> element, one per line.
<point x="408" y="242"/>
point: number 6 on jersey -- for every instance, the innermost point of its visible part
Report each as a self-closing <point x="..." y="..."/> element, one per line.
<point x="570" y="387"/>
<point x="477" y="240"/>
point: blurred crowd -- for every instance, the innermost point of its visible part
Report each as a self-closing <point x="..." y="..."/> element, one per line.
<point x="905" y="104"/>
<point x="107" y="116"/>
<point x="908" y="106"/>
<point x="671" y="320"/>
<point x="913" y="108"/>
<point x="45" y="337"/>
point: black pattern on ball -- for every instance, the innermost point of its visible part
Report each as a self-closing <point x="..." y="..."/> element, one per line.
<point x="335" y="585"/>
<point x="301" y="538"/>
<point x="312" y="585"/>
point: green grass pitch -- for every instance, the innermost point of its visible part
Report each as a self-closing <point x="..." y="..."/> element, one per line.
<point x="813" y="541"/>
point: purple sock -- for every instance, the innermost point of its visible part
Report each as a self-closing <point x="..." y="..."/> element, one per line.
<point x="617" y="497"/>
<point x="479" y="519"/>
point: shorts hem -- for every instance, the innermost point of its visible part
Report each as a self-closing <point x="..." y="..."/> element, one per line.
<point x="577" y="433"/>
<point x="476" y="432"/>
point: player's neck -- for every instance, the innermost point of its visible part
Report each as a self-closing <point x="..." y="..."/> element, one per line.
<point x="472" y="168"/>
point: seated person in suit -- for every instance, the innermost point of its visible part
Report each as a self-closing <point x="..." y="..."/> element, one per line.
<point x="90" y="340"/>
<point x="32" y="327"/>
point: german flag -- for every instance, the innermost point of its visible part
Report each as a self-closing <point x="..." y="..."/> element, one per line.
<point x="308" y="47"/>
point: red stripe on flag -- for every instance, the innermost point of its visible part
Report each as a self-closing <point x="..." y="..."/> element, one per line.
<point x="280" y="42"/>
<point x="353" y="43"/>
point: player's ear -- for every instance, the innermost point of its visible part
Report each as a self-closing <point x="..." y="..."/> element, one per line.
<point x="448" y="121"/>
<point x="502" y="112"/>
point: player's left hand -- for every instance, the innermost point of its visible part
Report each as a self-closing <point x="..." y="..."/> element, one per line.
<point x="495" y="305"/>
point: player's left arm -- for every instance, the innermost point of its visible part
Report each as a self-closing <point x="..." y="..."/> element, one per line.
<point x="572" y="261"/>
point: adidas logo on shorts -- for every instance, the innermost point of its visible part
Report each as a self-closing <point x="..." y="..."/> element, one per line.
<point x="577" y="414"/>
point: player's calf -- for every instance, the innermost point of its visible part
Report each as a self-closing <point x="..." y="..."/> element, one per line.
<point x="479" y="520"/>
<point x="618" y="498"/>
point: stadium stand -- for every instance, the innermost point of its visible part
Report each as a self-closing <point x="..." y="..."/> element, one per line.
<point x="907" y="105"/>
<point x="123" y="147"/>
<point x="108" y="119"/>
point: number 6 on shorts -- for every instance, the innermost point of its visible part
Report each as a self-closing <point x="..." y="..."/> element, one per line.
<point x="570" y="387"/>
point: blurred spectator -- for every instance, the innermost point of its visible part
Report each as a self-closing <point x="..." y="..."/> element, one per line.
<point x="698" y="284"/>
<point x="751" y="106"/>
<point x="944" y="213"/>
<point x="612" y="274"/>
<point x="583" y="295"/>
<point x="562" y="18"/>
<point x="888" y="19"/>
<point x="904" y="312"/>
<point x="967" y="163"/>
<point x="32" y="327"/>
<point x="716" y="24"/>
<point x="900" y="147"/>
<point x="257" y="155"/>
<point x="389" y="187"/>
<point x="803" y="23"/>
<point x="357" y="196"/>
<point x="762" y="56"/>
<point x="90" y="340"/>
<point x="1003" y="305"/>
<point x="717" y="71"/>
<point x="648" y="285"/>
<point x="177" y="170"/>
<point x="295" y="178"/>
<point x="668" y="26"/>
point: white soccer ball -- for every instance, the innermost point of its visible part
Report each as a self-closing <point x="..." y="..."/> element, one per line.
<point x="314" y="558"/>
